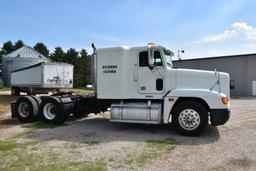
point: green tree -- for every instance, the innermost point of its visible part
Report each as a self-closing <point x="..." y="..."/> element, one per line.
<point x="8" y="47"/>
<point x="80" y="61"/>
<point x="82" y="69"/>
<point x="2" y="53"/>
<point x="57" y="55"/>
<point x="18" y="44"/>
<point x="85" y="67"/>
<point x="42" y="48"/>
<point x="71" y="56"/>
<point x="83" y="53"/>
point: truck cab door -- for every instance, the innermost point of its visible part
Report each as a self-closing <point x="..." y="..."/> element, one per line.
<point x="150" y="81"/>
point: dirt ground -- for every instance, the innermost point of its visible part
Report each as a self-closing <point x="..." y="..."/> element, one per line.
<point x="94" y="143"/>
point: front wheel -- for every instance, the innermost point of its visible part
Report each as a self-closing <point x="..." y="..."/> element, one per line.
<point x="190" y="118"/>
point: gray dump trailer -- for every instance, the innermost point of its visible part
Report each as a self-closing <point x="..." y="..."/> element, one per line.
<point x="42" y="78"/>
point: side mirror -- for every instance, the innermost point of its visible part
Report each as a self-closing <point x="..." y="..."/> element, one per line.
<point x="151" y="59"/>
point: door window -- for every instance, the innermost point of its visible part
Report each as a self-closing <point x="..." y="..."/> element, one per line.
<point x="157" y="58"/>
<point x="143" y="59"/>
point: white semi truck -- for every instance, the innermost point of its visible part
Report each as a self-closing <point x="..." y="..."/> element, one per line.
<point x="139" y="85"/>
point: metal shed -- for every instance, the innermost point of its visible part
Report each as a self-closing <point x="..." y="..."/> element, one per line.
<point x="20" y="58"/>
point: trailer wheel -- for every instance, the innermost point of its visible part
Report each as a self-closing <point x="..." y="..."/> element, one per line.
<point x="51" y="110"/>
<point x="190" y="118"/>
<point x="27" y="109"/>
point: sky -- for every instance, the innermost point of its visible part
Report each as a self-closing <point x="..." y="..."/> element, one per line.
<point x="202" y="28"/>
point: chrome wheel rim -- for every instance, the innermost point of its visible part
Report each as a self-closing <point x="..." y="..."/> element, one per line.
<point x="189" y="119"/>
<point x="23" y="109"/>
<point x="49" y="111"/>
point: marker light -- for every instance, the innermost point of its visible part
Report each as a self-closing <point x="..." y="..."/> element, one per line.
<point x="151" y="44"/>
<point x="224" y="100"/>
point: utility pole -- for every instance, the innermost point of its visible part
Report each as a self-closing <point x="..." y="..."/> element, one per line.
<point x="180" y="51"/>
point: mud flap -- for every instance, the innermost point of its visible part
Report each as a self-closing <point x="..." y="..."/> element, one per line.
<point x="14" y="109"/>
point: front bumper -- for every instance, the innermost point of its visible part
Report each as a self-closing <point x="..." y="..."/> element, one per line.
<point x="219" y="116"/>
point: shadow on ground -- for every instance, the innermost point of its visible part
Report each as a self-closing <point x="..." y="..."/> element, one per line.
<point x="8" y="122"/>
<point x="103" y="131"/>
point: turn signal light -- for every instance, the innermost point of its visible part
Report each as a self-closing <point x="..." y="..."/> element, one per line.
<point x="224" y="100"/>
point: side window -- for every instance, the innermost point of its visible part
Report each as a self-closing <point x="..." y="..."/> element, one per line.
<point x="143" y="59"/>
<point x="157" y="59"/>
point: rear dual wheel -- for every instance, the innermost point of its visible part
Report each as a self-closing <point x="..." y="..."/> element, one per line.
<point x="27" y="108"/>
<point x="51" y="110"/>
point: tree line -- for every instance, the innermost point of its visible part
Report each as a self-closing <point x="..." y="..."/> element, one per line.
<point x="80" y="59"/>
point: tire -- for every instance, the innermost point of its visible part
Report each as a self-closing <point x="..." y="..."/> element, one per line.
<point x="38" y="100"/>
<point x="51" y="111"/>
<point x="27" y="109"/>
<point x="190" y="118"/>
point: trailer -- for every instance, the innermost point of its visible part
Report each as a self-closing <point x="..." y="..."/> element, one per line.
<point x="42" y="78"/>
<point x="139" y="85"/>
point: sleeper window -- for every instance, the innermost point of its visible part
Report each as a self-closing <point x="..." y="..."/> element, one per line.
<point x="143" y="59"/>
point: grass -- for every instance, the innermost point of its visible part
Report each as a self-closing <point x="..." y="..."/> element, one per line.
<point x="42" y="125"/>
<point x="6" y="99"/>
<point x="17" y="154"/>
<point x="27" y="164"/>
<point x="153" y="149"/>
<point x="166" y="145"/>
<point x="9" y="145"/>
<point x="24" y="155"/>
<point x="73" y="166"/>
<point x="5" y="103"/>
<point x="20" y="159"/>
<point x="5" y="89"/>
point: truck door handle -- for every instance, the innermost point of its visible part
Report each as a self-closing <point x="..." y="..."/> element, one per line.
<point x="135" y="73"/>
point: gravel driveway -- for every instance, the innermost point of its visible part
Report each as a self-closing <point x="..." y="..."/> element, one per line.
<point x="228" y="147"/>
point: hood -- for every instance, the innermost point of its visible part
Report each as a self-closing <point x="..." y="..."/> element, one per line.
<point x="201" y="79"/>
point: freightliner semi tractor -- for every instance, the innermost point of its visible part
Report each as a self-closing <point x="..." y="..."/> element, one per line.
<point x="139" y="85"/>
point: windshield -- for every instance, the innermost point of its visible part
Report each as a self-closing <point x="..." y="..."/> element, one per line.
<point x="168" y="58"/>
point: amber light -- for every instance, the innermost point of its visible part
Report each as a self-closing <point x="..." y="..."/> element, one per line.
<point x="224" y="100"/>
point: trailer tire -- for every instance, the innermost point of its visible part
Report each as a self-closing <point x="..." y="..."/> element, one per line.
<point x="190" y="118"/>
<point x="27" y="109"/>
<point x="51" y="110"/>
